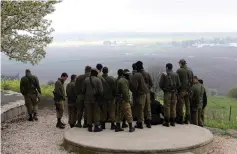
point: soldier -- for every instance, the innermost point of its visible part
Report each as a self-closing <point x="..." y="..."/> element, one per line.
<point x="156" y="110"/>
<point x="134" y="114"/>
<point x="204" y="101"/>
<point x="71" y="98"/>
<point x="80" y="98"/>
<point x="197" y="102"/>
<point x="59" y="98"/>
<point x="99" y="68"/>
<point x="30" y="87"/>
<point x="108" y="105"/>
<point x="146" y="101"/>
<point x="169" y="83"/>
<point x="93" y="89"/>
<point x="185" y="76"/>
<point x="123" y="107"/>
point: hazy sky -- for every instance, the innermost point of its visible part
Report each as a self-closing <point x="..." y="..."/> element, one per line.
<point x="145" y="16"/>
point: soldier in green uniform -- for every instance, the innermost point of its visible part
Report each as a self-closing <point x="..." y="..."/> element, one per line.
<point x="197" y="102"/>
<point x="80" y="98"/>
<point x="169" y="83"/>
<point x="108" y="105"/>
<point x="71" y="98"/>
<point x="93" y="90"/>
<point x="30" y="87"/>
<point x="123" y="106"/>
<point x="134" y="114"/>
<point x="59" y="98"/>
<point x="146" y="101"/>
<point x="99" y="67"/>
<point x="185" y="76"/>
<point x="204" y="102"/>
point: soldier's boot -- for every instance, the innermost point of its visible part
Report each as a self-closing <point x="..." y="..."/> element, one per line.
<point x="102" y="125"/>
<point x="187" y="119"/>
<point x="60" y="121"/>
<point x="89" y="128"/>
<point x="85" y="124"/>
<point x="72" y="125"/>
<point x="112" y="126"/>
<point x="97" y="128"/>
<point x="118" y="128"/>
<point x="145" y="121"/>
<point x="166" y="123"/>
<point x="78" y="124"/>
<point x="131" y="128"/>
<point x="148" y="123"/>
<point x="172" y="122"/>
<point x="30" y="117"/>
<point x="139" y="125"/>
<point x="35" y="117"/>
<point x="124" y="125"/>
<point x="59" y="125"/>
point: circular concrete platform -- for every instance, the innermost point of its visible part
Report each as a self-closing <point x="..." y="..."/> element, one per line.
<point x="185" y="139"/>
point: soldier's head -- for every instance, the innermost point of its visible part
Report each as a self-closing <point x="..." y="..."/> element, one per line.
<point x="99" y="67"/>
<point x="126" y="73"/>
<point x="169" y="66"/>
<point x="134" y="66"/>
<point x="139" y="65"/>
<point x="200" y="81"/>
<point x="182" y="62"/>
<point x="73" y="77"/>
<point x="120" y="72"/>
<point x="87" y="69"/>
<point x="94" y="72"/>
<point x="105" y="70"/>
<point x="28" y="72"/>
<point x="195" y="79"/>
<point x="64" y="76"/>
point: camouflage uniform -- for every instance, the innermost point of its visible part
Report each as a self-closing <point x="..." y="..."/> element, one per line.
<point x="92" y="87"/>
<point x="169" y="83"/>
<point x="108" y="105"/>
<point x="29" y="87"/>
<point x="197" y="104"/>
<point x="71" y="97"/>
<point x="185" y="74"/>
<point x="80" y="99"/>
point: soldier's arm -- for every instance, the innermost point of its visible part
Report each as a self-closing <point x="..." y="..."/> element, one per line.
<point x="178" y="84"/>
<point x="134" y="84"/>
<point x="68" y="89"/>
<point x="161" y="82"/>
<point x="22" y="84"/>
<point x="58" y="89"/>
<point x="113" y="86"/>
<point x="37" y="84"/>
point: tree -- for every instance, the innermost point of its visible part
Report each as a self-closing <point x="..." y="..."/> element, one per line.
<point x="233" y="93"/>
<point x="24" y="30"/>
<point x="212" y="92"/>
<point x="155" y="75"/>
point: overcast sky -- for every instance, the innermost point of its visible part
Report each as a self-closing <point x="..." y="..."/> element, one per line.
<point x="145" y="16"/>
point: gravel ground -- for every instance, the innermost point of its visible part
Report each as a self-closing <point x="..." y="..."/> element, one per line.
<point x="24" y="137"/>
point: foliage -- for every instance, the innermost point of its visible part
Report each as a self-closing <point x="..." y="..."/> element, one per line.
<point x="24" y="30"/>
<point x="212" y="92"/>
<point x="155" y="75"/>
<point x="233" y="93"/>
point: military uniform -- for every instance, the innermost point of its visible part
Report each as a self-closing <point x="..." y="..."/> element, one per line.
<point x="29" y="87"/>
<point x="123" y="107"/>
<point x="197" y="104"/>
<point x="108" y="105"/>
<point x="92" y="88"/>
<point x="185" y="74"/>
<point x="169" y="83"/>
<point x="71" y="98"/>
<point x="134" y="114"/>
<point x="80" y="100"/>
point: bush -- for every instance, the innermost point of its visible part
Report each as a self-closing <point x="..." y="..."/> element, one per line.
<point x="233" y="93"/>
<point x="14" y="85"/>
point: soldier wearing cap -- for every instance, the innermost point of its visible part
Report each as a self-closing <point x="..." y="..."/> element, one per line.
<point x="80" y="97"/>
<point x="186" y="77"/>
<point x="123" y="106"/>
<point x="92" y="89"/>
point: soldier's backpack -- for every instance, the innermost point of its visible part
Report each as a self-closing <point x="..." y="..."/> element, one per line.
<point x="107" y="90"/>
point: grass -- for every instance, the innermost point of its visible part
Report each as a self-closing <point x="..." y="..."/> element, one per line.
<point x="217" y="112"/>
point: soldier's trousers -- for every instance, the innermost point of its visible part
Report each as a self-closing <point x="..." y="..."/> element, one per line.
<point x="31" y="103"/>
<point x="123" y="110"/>
<point x="81" y="111"/>
<point x="108" y="107"/>
<point x="184" y="100"/>
<point x="196" y="118"/>
<point x="72" y="114"/>
<point x="60" y="108"/>
<point x="170" y="100"/>
<point x="93" y="112"/>
<point x="203" y="115"/>
<point x="143" y="107"/>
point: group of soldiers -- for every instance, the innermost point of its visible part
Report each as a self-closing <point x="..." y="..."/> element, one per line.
<point x="100" y="98"/>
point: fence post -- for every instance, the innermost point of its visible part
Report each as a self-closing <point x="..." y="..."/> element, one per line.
<point x="230" y="114"/>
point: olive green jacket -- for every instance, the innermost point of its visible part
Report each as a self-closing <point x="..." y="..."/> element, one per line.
<point x="123" y="89"/>
<point x="197" y="92"/>
<point x="185" y="75"/>
<point x="29" y="84"/>
<point x="138" y="85"/>
<point x="59" y="89"/>
<point x="71" y="92"/>
<point x="79" y="82"/>
<point x="111" y="89"/>
<point x="169" y="81"/>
